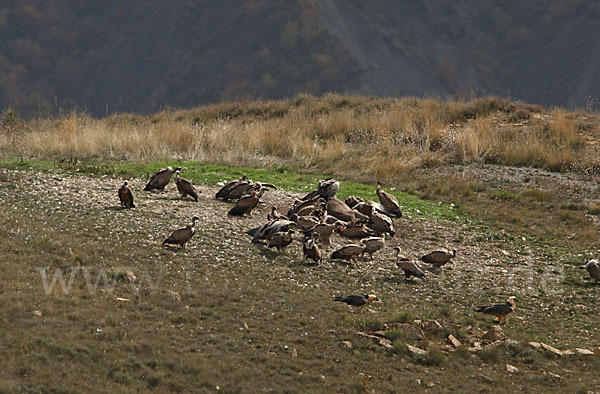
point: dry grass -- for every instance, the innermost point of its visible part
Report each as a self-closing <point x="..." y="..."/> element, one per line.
<point x="380" y="137"/>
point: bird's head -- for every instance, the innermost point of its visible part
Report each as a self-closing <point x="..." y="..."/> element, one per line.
<point x="512" y="300"/>
<point x="176" y="169"/>
<point x="370" y="297"/>
<point x="195" y="219"/>
<point x="397" y="249"/>
<point x="124" y="183"/>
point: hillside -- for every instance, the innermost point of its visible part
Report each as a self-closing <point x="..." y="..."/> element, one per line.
<point x="119" y="56"/>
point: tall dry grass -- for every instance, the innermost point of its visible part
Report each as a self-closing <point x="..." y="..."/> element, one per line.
<point x="374" y="137"/>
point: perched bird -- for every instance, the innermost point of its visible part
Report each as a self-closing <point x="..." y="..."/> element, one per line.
<point x="126" y="196"/>
<point x="326" y="189"/>
<point x="185" y="187"/>
<point x="372" y="245"/>
<point x="501" y="311"/>
<point x="381" y="223"/>
<point x="306" y="222"/>
<point x="348" y="252"/>
<point x="324" y="231"/>
<point x="183" y="235"/>
<point x="409" y="268"/>
<point x="339" y="209"/>
<point x="357" y="301"/>
<point x="274" y="215"/>
<point x="355" y="229"/>
<point x="230" y="185"/>
<point x="246" y="204"/>
<point x="389" y="201"/>
<point x="310" y="250"/>
<point x="438" y="258"/>
<point x="303" y="208"/>
<point x="237" y="190"/>
<point x="281" y="240"/>
<point x="160" y="179"/>
<point x="353" y="201"/>
<point x="593" y="267"/>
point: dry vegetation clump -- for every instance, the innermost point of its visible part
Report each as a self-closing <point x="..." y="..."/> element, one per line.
<point x="379" y="137"/>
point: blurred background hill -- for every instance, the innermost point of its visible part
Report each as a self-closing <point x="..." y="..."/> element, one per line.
<point x="113" y="56"/>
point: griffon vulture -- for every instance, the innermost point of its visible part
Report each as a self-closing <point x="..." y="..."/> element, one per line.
<point x="246" y="204"/>
<point x="311" y="251"/>
<point x="348" y="253"/>
<point x="389" y="201"/>
<point x="230" y="185"/>
<point x="372" y="245"/>
<point x="593" y="267"/>
<point x="409" y="268"/>
<point x="281" y="240"/>
<point x="438" y="258"/>
<point x="126" y="196"/>
<point x="183" y="235"/>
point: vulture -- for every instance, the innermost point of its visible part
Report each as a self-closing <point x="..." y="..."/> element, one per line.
<point x="274" y="215"/>
<point x="326" y="189"/>
<point x="306" y="222"/>
<point x="593" y="267"/>
<point x="303" y="208"/>
<point x="380" y="223"/>
<point x="372" y="245"/>
<point x="348" y="253"/>
<point x="409" y="268"/>
<point x="501" y="311"/>
<point x="339" y="209"/>
<point x="367" y="207"/>
<point x="324" y="231"/>
<point x="389" y="201"/>
<point x="357" y="230"/>
<point x="246" y="204"/>
<point x="182" y="235"/>
<point x="126" y="196"/>
<point x="230" y="185"/>
<point x="438" y="258"/>
<point x="266" y="230"/>
<point x="353" y="201"/>
<point x="237" y="191"/>
<point x="185" y="187"/>
<point x="160" y="179"/>
<point x="357" y="301"/>
<point x="281" y="240"/>
<point x="311" y="251"/>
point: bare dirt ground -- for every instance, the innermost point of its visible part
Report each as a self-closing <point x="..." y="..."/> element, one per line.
<point x="232" y="311"/>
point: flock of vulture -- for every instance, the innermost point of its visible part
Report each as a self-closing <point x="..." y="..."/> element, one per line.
<point x="313" y="220"/>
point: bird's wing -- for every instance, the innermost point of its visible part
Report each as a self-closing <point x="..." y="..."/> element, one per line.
<point x="182" y="234"/>
<point x="498" y="309"/>
<point x="594" y="271"/>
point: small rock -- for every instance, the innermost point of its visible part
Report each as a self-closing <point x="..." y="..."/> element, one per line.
<point x="584" y="352"/>
<point x="123" y="299"/>
<point x="455" y="342"/>
<point x="536" y="345"/>
<point x="37" y="313"/>
<point x="494" y="334"/>
<point x="511" y="368"/>
<point x="485" y="378"/>
<point x="294" y="352"/>
<point x="568" y="352"/>
<point x="551" y="349"/>
<point x="416" y="350"/>
<point x="553" y="376"/>
<point x="347" y="344"/>
<point x="511" y="341"/>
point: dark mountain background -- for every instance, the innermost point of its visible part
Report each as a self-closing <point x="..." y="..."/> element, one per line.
<point x="130" y="55"/>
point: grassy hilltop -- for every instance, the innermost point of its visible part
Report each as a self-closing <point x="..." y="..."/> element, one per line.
<point x="510" y="186"/>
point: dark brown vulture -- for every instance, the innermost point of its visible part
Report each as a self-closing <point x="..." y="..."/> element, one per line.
<point x="357" y="301"/>
<point x="185" y="187"/>
<point x="409" y="268"/>
<point x="353" y="201"/>
<point x="230" y="185"/>
<point x="281" y="240"/>
<point x="501" y="311"/>
<point x="348" y="253"/>
<point x="183" y="235"/>
<point x="246" y="204"/>
<point x="311" y="251"/>
<point x="438" y="258"/>
<point x="372" y="245"/>
<point x="160" y="179"/>
<point x="126" y="196"/>
<point x="326" y="189"/>
<point x="355" y="229"/>
<point x="389" y="201"/>
<point x="593" y="268"/>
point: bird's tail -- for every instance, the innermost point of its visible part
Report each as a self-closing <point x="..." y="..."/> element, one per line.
<point x="340" y="299"/>
<point x="236" y="211"/>
<point x="132" y="205"/>
<point x="168" y="241"/>
<point x="194" y="196"/>
<point x="148" y="187"/>
<point x="480" y="308"/>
